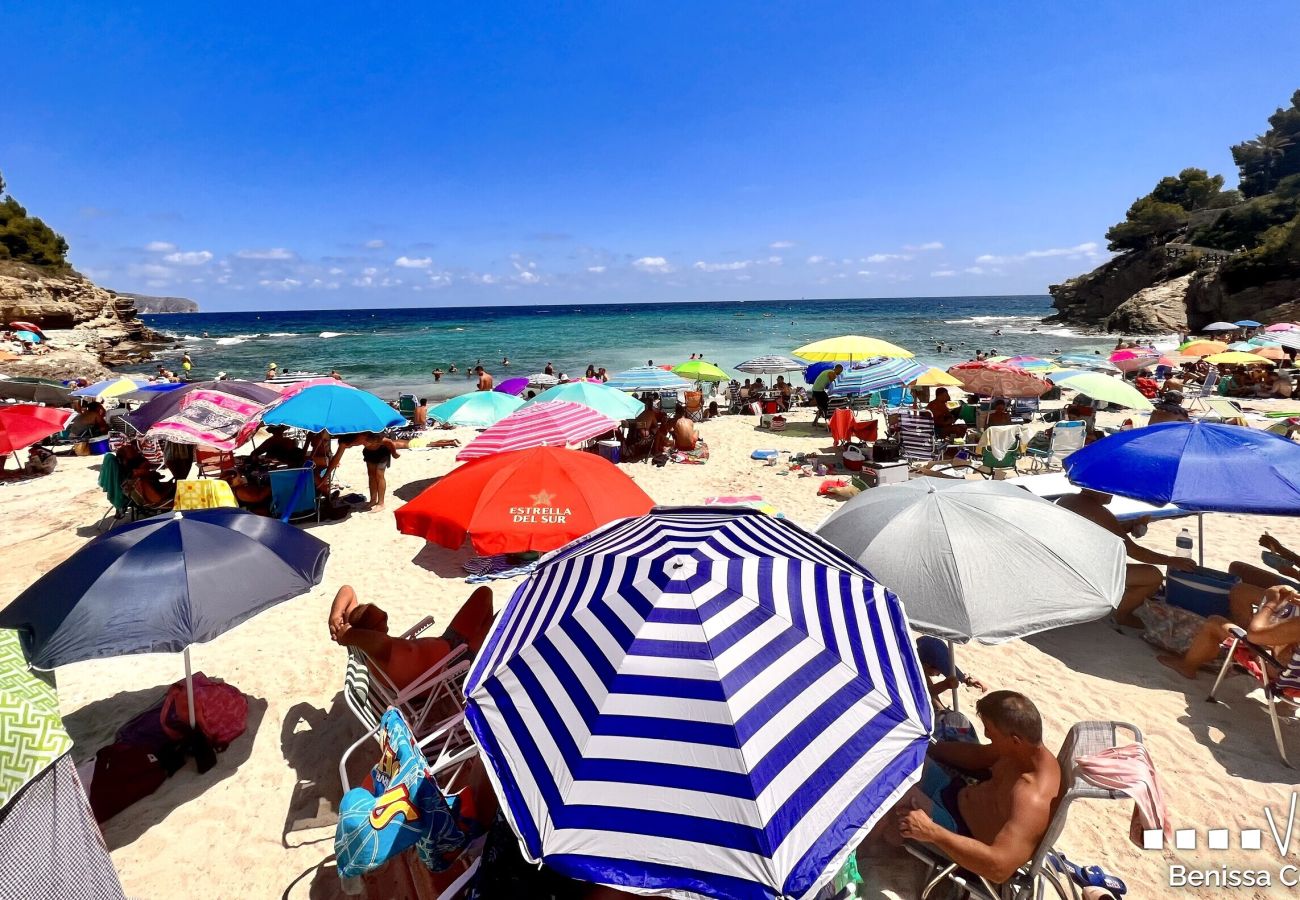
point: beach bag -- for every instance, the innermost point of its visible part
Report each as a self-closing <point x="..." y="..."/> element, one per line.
<point x="220" y="711"/>
<point x="124" y="773"/>
<point x="886" y="451"/>
<point x="1168" y="627"/>
<point x="853" y="458"/>
<point x="777" y="423"/>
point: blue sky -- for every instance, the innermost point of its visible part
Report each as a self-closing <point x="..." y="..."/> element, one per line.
<point x="287" y="155"/>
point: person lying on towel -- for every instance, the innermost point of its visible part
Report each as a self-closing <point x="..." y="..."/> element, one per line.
<point x="404" y="660"/>
<point x="993" y="826"/>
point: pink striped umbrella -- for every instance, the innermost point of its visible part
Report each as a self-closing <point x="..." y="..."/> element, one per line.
<point x="211" y="419"/>
<point x="553" y="423"/>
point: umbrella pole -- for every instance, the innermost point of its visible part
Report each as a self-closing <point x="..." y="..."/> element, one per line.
<point x="189" y="687"/>
<point x="1200" y="537"/>
<point x="952" y="664"/>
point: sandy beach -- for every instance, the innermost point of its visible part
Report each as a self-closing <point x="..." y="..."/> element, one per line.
<point x="245" y="820"/>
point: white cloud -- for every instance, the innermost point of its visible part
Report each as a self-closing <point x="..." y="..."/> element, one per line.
<point x="929" y="245"/>
<point x="595" y="269"/>
<point x="1087" y="249"/>
<point x="152" y="271"/>
<point x="267" y="253"/>
<point x="780" y="245"/>
<point x="655" y="264"/>
<point x="189" y="257"/>
<point x="336" y="271"/>
<point x="886" y="257"/>
<point x="943" y="273"/>
<point x="774" y="260"/>
<point x="864" y="272"/>
<point x="160" y="246"/>
<point x="528" y="277"/>
<point x="973" y="270"/>
<point x="280" y="284"/>
<point x="376" y="244"/>
<point x="407" y="262"/>
<point x="814" y="260"/>
<point x="722" y="267"/>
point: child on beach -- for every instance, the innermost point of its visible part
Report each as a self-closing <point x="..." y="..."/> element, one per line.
<point x="378" y="452"/>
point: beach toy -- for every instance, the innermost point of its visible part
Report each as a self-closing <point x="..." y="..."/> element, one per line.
<point x="764" y="454"/>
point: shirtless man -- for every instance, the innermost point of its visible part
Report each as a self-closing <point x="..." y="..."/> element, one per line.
<point x="992" y="827"/>
<point x="404" y="660"/>
<point x="684" y="437"/>
<point x="1143" y="579"/>
<point x="485" y="381"/>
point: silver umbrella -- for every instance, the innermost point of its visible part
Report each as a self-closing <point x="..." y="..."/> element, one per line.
<point x="771" y="365"/>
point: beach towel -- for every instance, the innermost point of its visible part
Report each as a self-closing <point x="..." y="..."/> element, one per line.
<point x="31" y="731"/>
<point x="110" y="481"/>
<point x="1000" y="440"/>
<point x="1129" y="769"/>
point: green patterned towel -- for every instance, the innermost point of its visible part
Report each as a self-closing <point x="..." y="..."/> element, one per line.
<point x="31" y="730"/>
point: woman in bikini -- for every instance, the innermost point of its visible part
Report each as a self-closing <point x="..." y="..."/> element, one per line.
<point x="378" y="452"/>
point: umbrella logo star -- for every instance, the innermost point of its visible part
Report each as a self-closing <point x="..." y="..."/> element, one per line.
<point x="543" y="498"/>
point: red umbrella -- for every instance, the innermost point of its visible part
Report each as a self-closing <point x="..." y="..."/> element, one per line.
<point x="25" y="424"/>
<point x="535" y="499"/>
<point x="998" y="380"/>
<point x="27" y="326"/>
<point x="553" y="423"/>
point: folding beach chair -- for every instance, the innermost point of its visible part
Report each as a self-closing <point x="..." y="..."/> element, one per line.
<point x="406" y="405"/>
<point x="293" y="494"/>
<point x="695" y="406"/>
<point x="1024" y="408"/>
<point x="1031" y="881"/>
<point x="1281" y="683"/>
<point x="1066" y="438"/>
<point x="212" y="462"/>
<point x="920" y="442"/>
<point x="1208" y="388"/>
<point x="1225" y="411"/>
<point x="668" y="402"/>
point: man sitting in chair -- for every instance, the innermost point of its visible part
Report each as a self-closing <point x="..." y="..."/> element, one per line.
<point x="991" y="827"/>
<point x="404" y="660"/>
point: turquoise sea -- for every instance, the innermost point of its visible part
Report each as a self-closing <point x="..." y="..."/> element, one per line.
<point x="389" y="350"/>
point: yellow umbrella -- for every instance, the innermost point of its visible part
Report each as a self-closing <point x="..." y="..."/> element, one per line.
<point x="933" y="377"/>
<point x="850" y="347"/>
<point x="1238" y="358"/>
<point x="121" y="386"/>
<point x="1202" y="348"/>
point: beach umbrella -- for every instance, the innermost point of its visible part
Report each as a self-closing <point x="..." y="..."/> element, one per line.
<point x="944" y="546"/>
<point x="338" y="409"/>
<point x="169" y="402"/>
<point x="30" y="336"/>
<point x="1202" y="348"/>
<point x="699" y="370"/>
<point x="108" y="388"/>
<point x="849" y="347"/>
<point x="1086" y="361"/>
<point x="882" y="374"/>
<point x="35" y="390"/>
<point x="159" y="585"/>
<point x="1031" y="363"/>
<point x="1244" y="346"/>
<point x="1106" y="388"/>
<point x="554" y="423"/>
<point x="1173" y="360"/>
<point x="600" y="397"/>
<point x="296" y="385"/>
<point x="542" y="380"/>
<point x="34" y="736"/>
<point x="1262" y="340"/>
<point x="1128" y="361"/>
<point x="1198" y="466"/>
<point x="1274" y="353"/>
<point x="209" y="419"/>
<point x="477" y="409"/>
<point x="1237" y="358"/>
<point x="998" y="380"/>
<point x="1248" y="323"/>
<point x="770" y="365"/>
<point x="699" y="702"/>
<point x="1219" y="326"/>
<point x="933" y="377"/>
<point x="28" y="326"/>
<point x="647" y="378"/>
<point x="1288" y="339"/>
<point x="23" y="425"/>
<point x="535" y="499"/>
<point x="513" y="386"/>
<point x="1282" y="326"/>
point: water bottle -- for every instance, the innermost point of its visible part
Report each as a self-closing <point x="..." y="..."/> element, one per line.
<point x="1184" y="544"/>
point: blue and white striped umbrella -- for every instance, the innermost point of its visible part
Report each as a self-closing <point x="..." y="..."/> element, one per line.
<point x="648" y="378"/>
<point x="877" y="377"/>
<point x="699" y="702"/>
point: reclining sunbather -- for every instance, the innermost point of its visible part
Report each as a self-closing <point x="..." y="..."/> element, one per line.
<point x="991" y="827"/>
<point x="1275" y="625"/>
<point x="404" y="660"/>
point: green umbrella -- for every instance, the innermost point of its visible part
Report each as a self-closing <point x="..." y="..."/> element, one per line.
<point x="699" y="370"/>
<point x="602" y="398"/>
<point x="31" y="731"/>
<point x="1103" y="387"/>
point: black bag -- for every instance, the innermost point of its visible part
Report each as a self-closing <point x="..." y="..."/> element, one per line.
<point x="123" y="775"/>
<point x="886" y="451"/>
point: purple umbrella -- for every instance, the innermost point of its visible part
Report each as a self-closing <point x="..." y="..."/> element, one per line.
<point x="512" y="386"/>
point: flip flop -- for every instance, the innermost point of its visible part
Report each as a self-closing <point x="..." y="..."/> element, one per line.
<point x="1088" y="876"/>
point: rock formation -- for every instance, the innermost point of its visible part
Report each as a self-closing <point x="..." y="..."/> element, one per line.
<point x="146" y="304"/>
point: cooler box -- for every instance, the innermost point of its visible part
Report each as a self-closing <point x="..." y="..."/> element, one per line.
<point x="1202" y="591"/>
<point x="99" y="446"/>
<point x="771" y="406"/>
<point x="886" y="472"/>
<point x="609" y="450"/>
<point x="766" y="420"/>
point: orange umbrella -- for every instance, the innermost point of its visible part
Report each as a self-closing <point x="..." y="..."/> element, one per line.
<point x="1202" y="348"/>
<point x="1270" y="352"/>
<point x="535" y="499"/>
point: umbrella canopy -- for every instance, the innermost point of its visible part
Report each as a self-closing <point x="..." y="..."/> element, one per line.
<point x="1273" y="353"/>
<point x="334" y="408"/>
<point x="555" y="423"/>
<point x="1248" y="323"/>
<point x="110" y="387"/>
<point x="849" y="347"/>
<point x="933" y="377"/>
<point x="169" y="403"/>
<point x="1237" y="358"/>
<point x="1107" y="388"/>
<point x="30" y="336"/>
<point x="944" y="547"/>
<point x="535" y="499"/>
<point x="998" y="380"/>
<point x="1288" y="339"/>
<point x="27" y="326"/>
<point x="1244" y="346"/>
<point x="1132" y="360"/>
<point x="1202" y="348"/>
<point x="477" y="409"/>
<point x="1031" y="363"/>
<point x="699" y="701"/>
<point x="699" y="370"/>
<point x="513" y="386"/>
<point x="884" y="373"/>
<point x="1199" y="466"/>
<point x="542" y="380"/>
<point x="23" y="425"/>
<point x="647" y="378"/>
<point x="600" y="397"/>
<point x="1282" y="326"/>
<point x="34" y="391"/>
<point x="32" y="736"/>
<point x="1264" y="340"/>
<point x="209" y="419"/>
<point x="1086" y="361"/>
<point x="161" y="584"/>
<point x="770" y="365"/>
<point x="147" y="392"/>
<point x="1219" y="326"/>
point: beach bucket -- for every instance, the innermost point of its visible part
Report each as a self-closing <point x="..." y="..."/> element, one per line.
<point x="100" y="446"/>
<point x="609" y="450"/>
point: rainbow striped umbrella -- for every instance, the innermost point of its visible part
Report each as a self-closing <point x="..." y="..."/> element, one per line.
<point x="555" y="423"/>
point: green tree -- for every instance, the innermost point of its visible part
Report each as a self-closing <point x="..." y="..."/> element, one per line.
<point x="1265" y="160"/>
<point x="1194" y="189"/>
<point x="1148" y="222"/>
<point x="26" y="238"/>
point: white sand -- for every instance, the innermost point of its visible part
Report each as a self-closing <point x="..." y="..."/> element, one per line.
<point x="224" y="832"/>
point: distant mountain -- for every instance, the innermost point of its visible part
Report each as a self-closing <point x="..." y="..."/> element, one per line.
<point x="146" y="304"/>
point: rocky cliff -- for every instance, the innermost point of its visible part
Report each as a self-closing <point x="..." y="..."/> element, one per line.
<point x="89" y="327"/>
<point x="146" y="304"/>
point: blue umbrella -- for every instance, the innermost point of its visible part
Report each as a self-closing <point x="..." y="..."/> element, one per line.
<point x="878" y="376"/>
<point x="1249" y="323"/>
<point x="702" y="700"/>
<point x="1085" y="361"/>
<point x="29" y="336"/>
<point x="477" y="409"/>
<point x="1197" y="466"/>
<point x="648" y="378"/>
<point x="94" y="390"/>
<point x="334" y="408"/>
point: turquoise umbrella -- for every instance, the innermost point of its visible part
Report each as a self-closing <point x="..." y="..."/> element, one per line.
<point x="477" y="409"/>
<point x="602" y="398"/>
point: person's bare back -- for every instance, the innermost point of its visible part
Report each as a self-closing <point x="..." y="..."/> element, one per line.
<point x="1011" y="793"/>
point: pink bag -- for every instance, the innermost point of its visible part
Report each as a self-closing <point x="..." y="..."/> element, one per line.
<point x="221" y="711"/>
